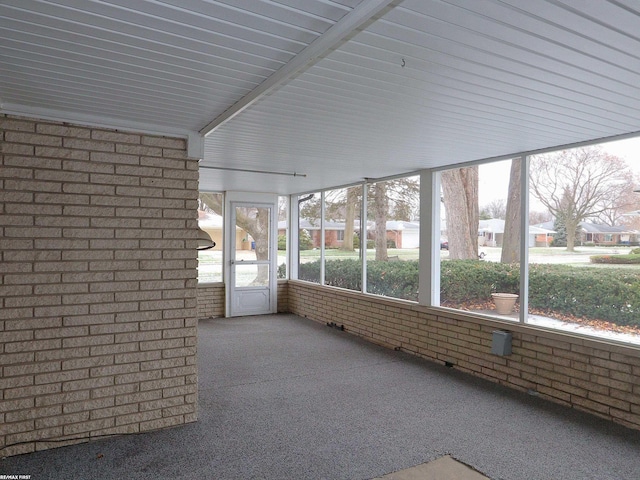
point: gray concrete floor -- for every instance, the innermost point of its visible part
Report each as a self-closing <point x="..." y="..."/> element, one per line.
<point x="282" y="397"/>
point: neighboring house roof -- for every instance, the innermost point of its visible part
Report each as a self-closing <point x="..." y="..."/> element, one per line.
<point x="496" y="225"/>
<point x="328" y="225"/>
<point x="399" y="225"/>
<point x="597" y="228"/>
<point x="633" y="213"/>
<point x="332" y="225"/>
<point x="539" y="230"/>
<point x="589" y="227"/>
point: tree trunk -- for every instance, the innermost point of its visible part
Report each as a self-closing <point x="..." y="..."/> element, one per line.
<point x="572" y="227"/>
<point x="350" y="217"/>
<point x="511" y="237"/>
<point x="460" y="197"/>
<point x="380" y="214"/>
<point x="260" y="234"/>
<point x="213" y="201"/>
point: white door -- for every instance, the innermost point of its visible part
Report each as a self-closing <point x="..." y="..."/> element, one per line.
<point x="253" y="272"/>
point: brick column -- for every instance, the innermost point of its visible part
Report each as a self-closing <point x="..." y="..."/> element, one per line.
<point x="97" y="281"/>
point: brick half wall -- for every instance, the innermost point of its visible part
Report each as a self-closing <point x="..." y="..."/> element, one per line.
<point x="594" y="376"/>
<point x="98" y="283"/>
<point x="211" y="299"/>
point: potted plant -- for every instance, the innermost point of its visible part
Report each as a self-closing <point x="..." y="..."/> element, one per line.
<point x="503" y="299"/>
<point x="504" y="302"/>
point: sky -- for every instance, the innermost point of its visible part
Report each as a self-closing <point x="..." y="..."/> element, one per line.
<point x="494" y="177"/>
<point x="628" y="150"/>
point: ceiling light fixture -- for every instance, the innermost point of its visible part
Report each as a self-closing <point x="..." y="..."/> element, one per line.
<point x="204" y="240"/>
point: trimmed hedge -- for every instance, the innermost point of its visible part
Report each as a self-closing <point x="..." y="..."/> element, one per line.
<point x="342" y="273"/>
<point x="602" y="294"/>
<point x="392" y="279"/>
<point x="611" y="294"/>
<point x="633" y="259"/>
<point x="465" y="280"/>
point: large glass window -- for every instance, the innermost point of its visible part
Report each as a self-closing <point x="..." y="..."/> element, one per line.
<point x="581" y="241"/>
<point x="584" y="264"/>
<point x="210" y="220"/>
<point x="342" y="260"/>
<point x="393" y="237"/>
<point x="579" y="232"/>
<point x="309" y="236"/>
<point x="480" y="238"/>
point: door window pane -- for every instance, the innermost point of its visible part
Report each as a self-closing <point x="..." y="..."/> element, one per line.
<point x="252" y="275"/>
<point x="252" y="244"/>
<point x="252" y="232"/>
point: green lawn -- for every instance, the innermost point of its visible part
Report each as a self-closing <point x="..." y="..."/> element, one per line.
<point x="210" y="264"/>
<point x="333" y="253"/>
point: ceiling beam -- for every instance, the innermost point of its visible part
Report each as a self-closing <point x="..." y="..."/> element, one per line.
<point x="337" y="33"/>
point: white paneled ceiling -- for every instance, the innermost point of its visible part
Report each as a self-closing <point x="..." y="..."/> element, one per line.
<point x="336" y="90"/>
<point x="168" y="63"/>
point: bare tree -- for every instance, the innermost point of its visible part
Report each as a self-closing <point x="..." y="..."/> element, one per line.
<point x="496" y="209"/>
<point x="310" y="208"/>
<point x="460" y="198"/>
<point x="617" y="207"/>
<point x="539" y="217"/>
<point x="577" y="184"/>
<point x="630" y="214"/>
<point x="380" y="204"/>
<point x="353" y="202"/>
<point x="397" y="199"/>
<point x="283" y="208"/>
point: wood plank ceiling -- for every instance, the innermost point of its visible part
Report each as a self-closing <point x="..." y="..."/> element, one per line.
<point x="338" y="90"/>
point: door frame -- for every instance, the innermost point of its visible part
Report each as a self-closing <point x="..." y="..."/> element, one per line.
<point x="258" y="200"/>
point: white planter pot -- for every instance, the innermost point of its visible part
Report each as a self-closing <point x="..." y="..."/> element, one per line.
<point x="504" y="302"/>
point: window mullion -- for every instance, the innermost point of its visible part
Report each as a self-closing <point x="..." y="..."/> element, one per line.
<point x="524" y="238"/>
<point x="322" y="239"/>
<point x="363" y="237"/>
<point x="429" y="260"/>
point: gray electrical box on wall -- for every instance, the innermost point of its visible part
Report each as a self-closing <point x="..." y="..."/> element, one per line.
<point x="501" y="342"/>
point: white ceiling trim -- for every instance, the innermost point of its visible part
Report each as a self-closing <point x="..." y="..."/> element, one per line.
<point x="336" y="34"/>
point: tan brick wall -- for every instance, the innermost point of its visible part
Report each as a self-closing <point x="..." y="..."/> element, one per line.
<point x="596" y="376"/>
<point x="283" y="296"/>
<point x="97" y="281"/>
<point x="211" y="300"/>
